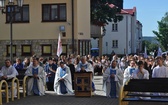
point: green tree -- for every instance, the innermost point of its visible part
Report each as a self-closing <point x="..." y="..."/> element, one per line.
<point x="146" y="44"/>
<point x="162" y="33"/>
<point x="102" y="13"/>
<point x="150" y="47"/>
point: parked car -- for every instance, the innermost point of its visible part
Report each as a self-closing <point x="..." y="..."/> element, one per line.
<point x="94" y="52"/>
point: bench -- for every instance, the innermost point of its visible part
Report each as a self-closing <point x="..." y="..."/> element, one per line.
<point x="153" y="87"/>
<point x="5" y="86"/>
<point x="12" y="87"/>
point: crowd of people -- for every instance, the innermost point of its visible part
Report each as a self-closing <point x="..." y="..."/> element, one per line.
<point x="57" y="74"/>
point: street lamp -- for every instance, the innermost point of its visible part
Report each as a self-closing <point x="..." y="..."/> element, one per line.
<point x="11" y="12"/>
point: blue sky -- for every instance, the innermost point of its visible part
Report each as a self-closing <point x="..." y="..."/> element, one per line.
<point x="148" y="13"/>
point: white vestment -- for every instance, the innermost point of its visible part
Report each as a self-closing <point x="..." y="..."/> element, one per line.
<point x="160" y="72"/>
<point x="166" y="63"/>
<point x="88" y="67"/>
<point x="145" y="74"/>
<point x="67" y="81"/>
<point x="40" y="82"/>
<point x="10" y="72"/>
<point x="127" y="74"/>
<point x="118" y="78"/>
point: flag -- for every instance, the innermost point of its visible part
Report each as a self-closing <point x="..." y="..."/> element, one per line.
<point x="159" y="53"/>
<point x="59" y="48"/>
<point x="145" y="53"/>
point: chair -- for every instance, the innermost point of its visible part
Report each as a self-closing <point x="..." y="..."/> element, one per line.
<point x="5" y="84"/>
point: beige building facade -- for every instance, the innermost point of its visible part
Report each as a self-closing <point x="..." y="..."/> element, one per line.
<point x="37" y="26"/>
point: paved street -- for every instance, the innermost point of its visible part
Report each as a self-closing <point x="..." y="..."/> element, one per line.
<point x="52" y="99"/>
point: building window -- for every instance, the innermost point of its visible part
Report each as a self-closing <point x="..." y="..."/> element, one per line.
<point x="21" y="17"/>
<point x="47" y="50"/>
<point x="53" y="12"/>
<point x="84" y="47"/>
<point x="26" y="50"/>
<point x="13" y="50"/>
<point x="115" y="43"/>
<point x="87" y="48"/>
<point x="80" y="48"/>
<point x="114" y="27"/>
<point x="64" y="49"/>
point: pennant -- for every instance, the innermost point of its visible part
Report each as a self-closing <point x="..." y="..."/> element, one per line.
<point x="59" y="48"/>
<point x="159" y="53"/>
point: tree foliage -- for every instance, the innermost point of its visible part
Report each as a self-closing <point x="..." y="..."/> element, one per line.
<point x="150" y="47"/>
<point x="102" y="13"/>
<point x="162" y="33"/>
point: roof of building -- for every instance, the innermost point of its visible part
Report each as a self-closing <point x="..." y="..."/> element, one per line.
<point x="130" y="11"/>
<point x="125" y="11"/>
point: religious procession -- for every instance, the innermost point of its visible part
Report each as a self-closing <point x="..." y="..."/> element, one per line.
<point x="57" y="74"/>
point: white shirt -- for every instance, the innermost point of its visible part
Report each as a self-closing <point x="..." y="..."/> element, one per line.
<point x="10" y="72"/>
<point x="160" y="72"/>
<point x="145" y="74"/>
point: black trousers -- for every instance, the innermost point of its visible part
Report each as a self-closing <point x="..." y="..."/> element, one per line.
<point x="50" y="86"/>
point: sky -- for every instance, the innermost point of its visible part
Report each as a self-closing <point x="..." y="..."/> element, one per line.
<point x="148" y="13"/>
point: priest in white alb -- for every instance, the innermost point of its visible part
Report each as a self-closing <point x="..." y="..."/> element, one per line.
<point x="113" y="80"/>
<point x="37" y="81"/>
<point x="63" y="82"/>
<point x="85" y="66"/>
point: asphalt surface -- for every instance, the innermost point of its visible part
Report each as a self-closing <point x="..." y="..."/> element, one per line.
<point x="52" y="99"/>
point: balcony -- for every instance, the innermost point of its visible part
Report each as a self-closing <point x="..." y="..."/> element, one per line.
<point x="96" y="31"/>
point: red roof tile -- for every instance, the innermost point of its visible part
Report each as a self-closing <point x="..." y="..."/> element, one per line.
<point x="125" y="11"/>
<point x="111" y="5"/>
<point x="131" y="11"/>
